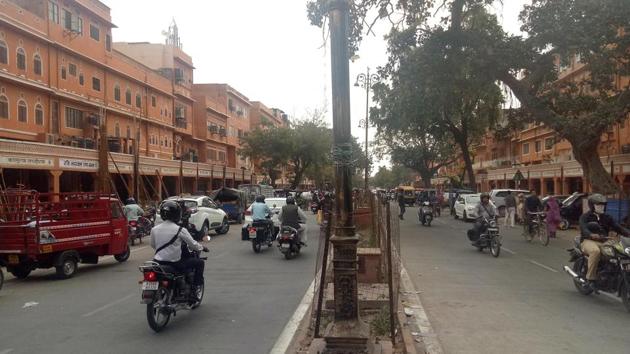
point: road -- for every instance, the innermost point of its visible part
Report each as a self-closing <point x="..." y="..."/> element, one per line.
<point x="249" y="298"/>
<point x="521" y="302"/>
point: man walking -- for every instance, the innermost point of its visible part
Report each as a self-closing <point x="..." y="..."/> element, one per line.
<point x="510" y="207"/>
<point x="401" y="203"/>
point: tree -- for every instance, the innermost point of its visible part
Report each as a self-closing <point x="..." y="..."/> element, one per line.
<point x="436" y="95"/>
<point x="579" y="109"/>
<point x="310" y="148"/>
<point x="269" y="148"/>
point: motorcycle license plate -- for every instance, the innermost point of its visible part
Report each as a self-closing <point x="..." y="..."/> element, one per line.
<point x="150" y="285"/>
<point x="285" y="245"/>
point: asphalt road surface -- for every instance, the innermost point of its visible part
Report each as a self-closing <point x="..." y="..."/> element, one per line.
<point x="249" y="298"/>
<point x="521" y="302"/>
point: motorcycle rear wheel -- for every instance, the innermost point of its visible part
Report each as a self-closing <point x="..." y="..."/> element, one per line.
<point x="579" y="267"/>
<point x="256" y="246"/>
<point x="495" y="247"/>
<point x="288" y="254"/>
<point x="156" y="317"/>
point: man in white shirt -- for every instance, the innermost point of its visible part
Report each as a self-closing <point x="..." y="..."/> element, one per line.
<point x="167" y="239"/>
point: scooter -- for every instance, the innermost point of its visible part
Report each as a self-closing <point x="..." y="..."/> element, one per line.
<point x="425" y="214"/>
<point x="288" y="242"/>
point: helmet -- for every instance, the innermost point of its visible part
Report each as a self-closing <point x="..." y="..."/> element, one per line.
<point x="595" y="199"/>
<point x="260" y="199"/>
<point x="130" y="200"/>
<point x="171" y="210"/>
<point x="290" y="200"/>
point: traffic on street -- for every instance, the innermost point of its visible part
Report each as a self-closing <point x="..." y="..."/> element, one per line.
<point x="249" y="297"/>
<point x="520" y="302"/>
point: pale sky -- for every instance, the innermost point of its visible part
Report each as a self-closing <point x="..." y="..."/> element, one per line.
<point x="267" y="50"/>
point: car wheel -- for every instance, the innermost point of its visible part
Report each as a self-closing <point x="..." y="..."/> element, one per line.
<point x="204" y="230"/>
<point x="225" y="227"/>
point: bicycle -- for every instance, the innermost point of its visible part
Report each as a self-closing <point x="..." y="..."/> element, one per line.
<point x="538" y="228"/>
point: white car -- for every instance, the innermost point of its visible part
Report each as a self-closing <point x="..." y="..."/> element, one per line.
<point x="466" y="205"/>
<point x="275" y="204"/>
<point x="497" y="196"/>
<point x="205" y="215"/>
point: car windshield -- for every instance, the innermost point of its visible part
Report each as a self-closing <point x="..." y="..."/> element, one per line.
<point x="472" y="199"/>
<point x="275" y="203"/>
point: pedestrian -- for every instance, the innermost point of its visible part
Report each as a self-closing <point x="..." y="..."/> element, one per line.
<point x="520" y="208"/>
<point x="401" y="203"/>
<point x="510" y="207"/>
<point x="553" y="216"/>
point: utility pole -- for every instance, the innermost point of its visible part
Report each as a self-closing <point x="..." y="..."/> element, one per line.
<point x="347" y="333"/>
<point x="366" y="80"/>
<point x="103" y="159"/>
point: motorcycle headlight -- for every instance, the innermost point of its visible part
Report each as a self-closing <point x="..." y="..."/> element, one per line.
<point x="493" y="223"/>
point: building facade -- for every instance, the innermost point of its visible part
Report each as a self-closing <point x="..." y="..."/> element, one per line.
<point x="65" y="87"/>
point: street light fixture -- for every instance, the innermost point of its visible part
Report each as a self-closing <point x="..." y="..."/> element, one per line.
<point x="366" y="80"/>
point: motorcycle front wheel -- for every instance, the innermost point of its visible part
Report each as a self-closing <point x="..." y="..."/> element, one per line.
<point x="156" y="316"/>
<point x="495" y="247"/>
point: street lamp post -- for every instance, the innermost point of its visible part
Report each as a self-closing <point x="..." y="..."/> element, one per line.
<point x="366" y="80"/>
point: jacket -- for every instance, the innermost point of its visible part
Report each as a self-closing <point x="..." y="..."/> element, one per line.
<point x="605" y="221"/>
<point x="292" y="215"/>
<point x="163" y="233"/>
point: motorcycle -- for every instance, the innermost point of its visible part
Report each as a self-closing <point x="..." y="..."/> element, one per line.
<point x="489" y="238"/>
<point x="425" y="214"/>
<point x="288" y="242"/>
<point x="166" y="291"/>
<point x="260" y="233"/>
<point x="139" y="228"/>
<point x="613" y="270"/>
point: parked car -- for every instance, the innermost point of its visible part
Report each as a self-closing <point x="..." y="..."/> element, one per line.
<point x="465" y="206"/>
<point x="498" y="197"/>
<point x="453" y="192"/>
<point x="205" y="215"/>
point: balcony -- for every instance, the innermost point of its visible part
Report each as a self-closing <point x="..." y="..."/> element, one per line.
<point x="181" y="122"/>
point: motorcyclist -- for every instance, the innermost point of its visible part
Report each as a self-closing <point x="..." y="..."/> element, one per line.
<point x="484" y="210"/>
<point x="292" y="215"/>
<point x="132" y="210"/>
<point x="591" y="241"/>
<point x="167" y="239"/>
<point x="261" y="212"/>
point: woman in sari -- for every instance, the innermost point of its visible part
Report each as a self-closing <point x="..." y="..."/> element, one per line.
<point x="553" y="216"/>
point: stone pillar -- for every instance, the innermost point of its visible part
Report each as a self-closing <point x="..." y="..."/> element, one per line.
<point x="543" y="187"/>
<point x="557" y="186"/>
<point x="55" y="175"/>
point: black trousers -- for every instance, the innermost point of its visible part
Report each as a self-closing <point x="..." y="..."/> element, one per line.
<point x="186" y="264"/>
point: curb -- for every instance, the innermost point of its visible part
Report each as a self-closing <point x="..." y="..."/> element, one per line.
<point x="419" y="317"/>
<point x="287" y="337"/>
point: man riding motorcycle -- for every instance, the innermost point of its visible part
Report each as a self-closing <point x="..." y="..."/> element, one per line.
<point x="292" y="215"/>
<point x="590" y="241"/>
<point x="167" y="239"/>
<point x="132" y="210"/>
<point x="260" y="211"/>
<point x="486" y="210"/>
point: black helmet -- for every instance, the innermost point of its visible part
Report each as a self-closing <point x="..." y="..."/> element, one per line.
<point x="290" y="200"/>
<point x="130" y="200"/>
<point x="595" y="199"/>
<point x="260" y="199"/>
<point x="171" y="210"/>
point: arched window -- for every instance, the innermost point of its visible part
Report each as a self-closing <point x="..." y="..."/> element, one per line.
<point x="22" y="111"/>
<point x="39" y="114"/>
<point x="37" y="64"/>
<point x="4" y="53"/>
<point x="138" y="100"/>
<point x="21" y="59"/>
<point x="4" y="107"/>
<point x="128" y="96"/>
<point x="117" y="131"/>
<point x="117" y="93"/>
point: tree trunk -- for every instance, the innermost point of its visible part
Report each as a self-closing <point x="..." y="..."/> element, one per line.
<point x="426" y="179"/>
<point x="594" y="172"/>
<point x="297" y="179"/>
<point x="463" y="145"/>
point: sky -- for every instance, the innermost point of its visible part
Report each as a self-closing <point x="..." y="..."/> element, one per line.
<point x="267" y="50"/>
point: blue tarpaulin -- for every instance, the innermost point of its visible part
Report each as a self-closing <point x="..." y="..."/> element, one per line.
<point x="618" y="209"/>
